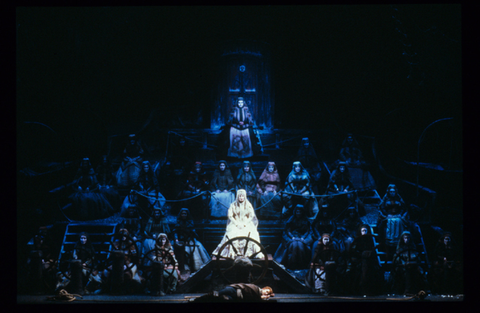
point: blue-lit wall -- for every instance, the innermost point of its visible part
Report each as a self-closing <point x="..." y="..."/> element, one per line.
<point x="244" y="71"/>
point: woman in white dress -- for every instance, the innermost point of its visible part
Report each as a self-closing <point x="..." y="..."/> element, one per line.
<point x="242" y="221"/>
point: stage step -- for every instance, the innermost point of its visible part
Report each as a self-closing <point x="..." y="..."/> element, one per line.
<point x="99" y="236"/>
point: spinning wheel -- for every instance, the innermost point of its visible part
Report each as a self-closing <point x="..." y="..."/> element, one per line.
<point x="186" y="245"/>
<point x="117" y="247"/>
<point x="235" y="256"/>
<point x="157" y="254"/>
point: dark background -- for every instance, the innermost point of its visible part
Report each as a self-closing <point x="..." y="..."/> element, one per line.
<point x="93" y="72"/>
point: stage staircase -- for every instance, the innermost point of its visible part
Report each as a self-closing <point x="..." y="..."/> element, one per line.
<point x="99" y="236"/>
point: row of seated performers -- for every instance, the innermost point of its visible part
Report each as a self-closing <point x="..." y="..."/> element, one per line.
<point x="95" y="196"/>
<point x="134" y="172"/>
<point x="342" y="257"/>
<point x="152" y="262"/>
<point x="334" y="261"/>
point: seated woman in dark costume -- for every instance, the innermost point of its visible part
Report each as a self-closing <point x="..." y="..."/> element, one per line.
<point x="132" y="279"/>
<point x="84" y="251"/>
<point x="242" y="141"/>
<point x="392" y="201"/>
<point x="340" y="187"/>
<point x="408" y="275"/>
<point x="363" y="271"/>
<point x="129" y="170"/>
<point x="326" y="262"/>
<point x="350" y="152"/>
<point x="157" y="223"/>
<point x="447" y="267"/>
<point x="221" y="185"/>
<point x="41" y="265"/>
<point x="191" y="254"/>
<point x="196" y="184"/>
<point x="147" y="181"/>
<point x="165" y="254"/>
<point x="347" y="228"/>
<point x="340" y="180"/>
<point x="352" y="156"/>
<point x="132" y="221"/>
<point x="307" y="156"/>
<point x="268" y="201"/>
<point x="325" y="223"/>
<point x="246" y="180"/>
<point x="107" y="182"/>
<point x="294" y="251"/>
<point x="298" y="183"/>
<point x="149" y="189"/>
<point x="88" y="202"/>
<point x="392" y="221"/>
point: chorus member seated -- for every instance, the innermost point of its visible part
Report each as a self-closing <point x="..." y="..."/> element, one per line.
<point x="350" y="152"/>
<point x="340" y="187"/>
<point x="132" y="199"/>
<point x="242" y="222"/>
<point x="147" y="181"/>
<point x="107" y="182"/>
<point x="221" y="185"/>
<point x="181" y="156"/>
<point x="326" y="260"/>
<point x="392" y="221"/>
<point x="447" y="267"/>
<point x="41" y="265"/>
<point x="240" y="292"/>
<point x="148" y="187"/>
<point x="84" y="251"/>
<point x="325" y="223"/>
<point x="197" y="185"/>
<point x="246" y="180"/>
<point x="128" y="172"/>
<point x="307" y="156"/>
<point x="132" y="221"/>
<point x="123" y="242"/>
<point x="340" y="180"/>
<point x="392" y="201"/>
<point x="408" y="277"/>
<point x="157" y="223"/>
<point x="348" y="227"/>
<point x="269" y="205"/>
<point x="88" y="202"/>
<point x="190" y="253"/>
<point x="364" y="276"/>
<point x="298" y="187"/>
<point x="294" y="251"/>
<point x="166" y="254"/>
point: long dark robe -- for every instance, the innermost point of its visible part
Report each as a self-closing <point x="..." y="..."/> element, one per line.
<point x="295" y="250"/>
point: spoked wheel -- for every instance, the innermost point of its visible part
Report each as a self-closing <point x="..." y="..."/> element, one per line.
<point x="126" y="250"/>
<point x="242" y="259"/>
<point x="155" y="255"/>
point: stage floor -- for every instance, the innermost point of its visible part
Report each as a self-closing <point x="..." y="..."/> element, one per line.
<point x="279" y="298"/>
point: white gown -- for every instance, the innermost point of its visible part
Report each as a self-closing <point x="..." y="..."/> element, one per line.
<point x="242" y="221"/>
